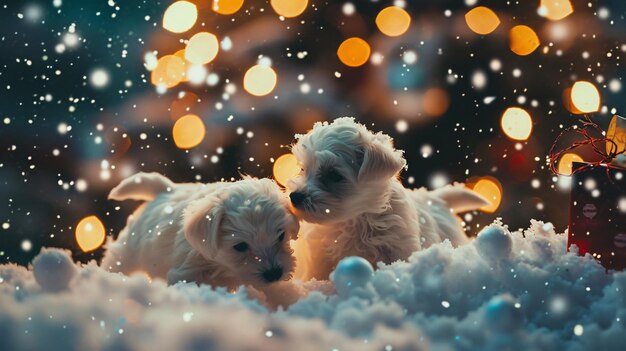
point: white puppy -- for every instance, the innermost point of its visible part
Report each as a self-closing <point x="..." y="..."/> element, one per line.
<point x="352" y="203"/>
<point x="224" y="234"/>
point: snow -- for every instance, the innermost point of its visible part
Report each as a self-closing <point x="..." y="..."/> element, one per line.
<point x="517" y="290"/>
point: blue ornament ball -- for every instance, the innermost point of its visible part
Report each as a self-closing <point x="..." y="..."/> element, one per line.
<point x="351" y="272"/>
<point x="502" y="314"/>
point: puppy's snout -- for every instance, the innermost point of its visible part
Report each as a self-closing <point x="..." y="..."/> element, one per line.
<point x="297" y="198"/>
<point x="273" y="274"/>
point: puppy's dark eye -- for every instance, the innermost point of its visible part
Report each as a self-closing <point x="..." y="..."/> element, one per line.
<point x="334" y="176"/>
<point x="281" y="237"/>
<point x="241" y="247"/>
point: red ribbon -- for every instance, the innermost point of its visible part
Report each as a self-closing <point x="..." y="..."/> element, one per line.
<point x="588" y="127"/>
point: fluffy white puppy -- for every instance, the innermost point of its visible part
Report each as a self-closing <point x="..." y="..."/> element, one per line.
<point x="352" y="203"/>
<point x="224" y="234"/>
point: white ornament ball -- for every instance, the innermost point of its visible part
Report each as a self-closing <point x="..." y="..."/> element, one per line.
<point x="351" y="272"/>
<point x="494" y="243"/>
<point x="53" y="269"/>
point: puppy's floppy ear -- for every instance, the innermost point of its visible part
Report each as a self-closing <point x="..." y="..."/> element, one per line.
<point x="380" y="160"/>
<point x="201" y="224"/>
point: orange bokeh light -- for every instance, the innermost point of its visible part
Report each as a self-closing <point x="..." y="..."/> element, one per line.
<point x="90" y="233"/>
<point x="188" y="131"/>
<point x="435" y="102"/>
<point x="187" y="64"/>
<point x="289" y="8"/>
<point x="565" y="163"/>
<point x="393" y="21"/>
<point x="523" y="40"/>
<point x="555" y="9"/>
<point x="226" y="7"/>
<point x="286" y="167"/>
<point x="482" y="20"/>
<point x="491" y="190"/>
<point x="170" y="71"/>
<point x="354" y="52"/>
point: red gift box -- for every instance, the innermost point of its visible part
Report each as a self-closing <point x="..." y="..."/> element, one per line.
<point x="597" y="213"/>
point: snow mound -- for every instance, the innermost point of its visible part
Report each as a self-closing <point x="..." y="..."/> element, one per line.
<point x="514" y="291"/>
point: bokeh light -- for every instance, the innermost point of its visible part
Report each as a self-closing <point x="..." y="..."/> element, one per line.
<point x="435" y="102"/>
<point x="585" y="97"/>
<point x="491" y="190"/>
<point x="354" y="52"/>
<point x="186" y="103"/>
<point x="90" y="233"/>
<point x="202" y="48"/>
<point x="286" y="167"/>
<point x="555" y="9"/>
<point x="482" y="20"/>
<point x="180" y="16"/>
<point x="565" y="163"/>
<point x="226" y="7"/>
<point x="99" y="78"/>
<point x="175" y="68"/>
<point x="289" y="8"/>
<point x="169" y="71"/>
<point x="523" y="40"/>
<point x="260" y="80"/>
<point x="186" y="64"/>
<point x="393" y="21"/>
<point x="516" y="123"/>
<point x="188" y="131"/>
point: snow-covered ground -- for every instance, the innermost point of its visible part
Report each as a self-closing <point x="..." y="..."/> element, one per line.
<point x="517" y="291"/>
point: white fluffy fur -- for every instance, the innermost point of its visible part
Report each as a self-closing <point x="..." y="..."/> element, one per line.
<point x="188" y="231"/>
<point x="354" y="203"/>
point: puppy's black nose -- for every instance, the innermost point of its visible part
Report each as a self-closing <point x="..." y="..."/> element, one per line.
<point x="297" y="198"/>
<point x="273" y="274"/>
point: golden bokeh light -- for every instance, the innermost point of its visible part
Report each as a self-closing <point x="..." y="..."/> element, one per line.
<point x="555" y="9"/>
<point x="523" y="40"/>
<point x="354" y="52"/>
<point x="491" y="190"/>
<point x="175" y="68"/>
<point x="393" y="21"/>
<point x="226" y="7"/>
<point x="567" y="101"/>
<point x="482" y="20"/>
<point x="286" y="167"/>
<point x="188" y="131"/>
<point x="90" y="233"/>
<point x="186" y="64"/>
<point x="516" y="123"/>
<point x="565" y="163"/>
<point x="202" y="48"/>
<point x="260" y="80"/>
<point x="585" y="97"/>
<point x="170" y="70"/>
<point x="289" y="8"/>
<point x="180" y="16"/>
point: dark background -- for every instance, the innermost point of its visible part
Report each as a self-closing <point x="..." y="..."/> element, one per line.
<point x="40" y="203"/>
